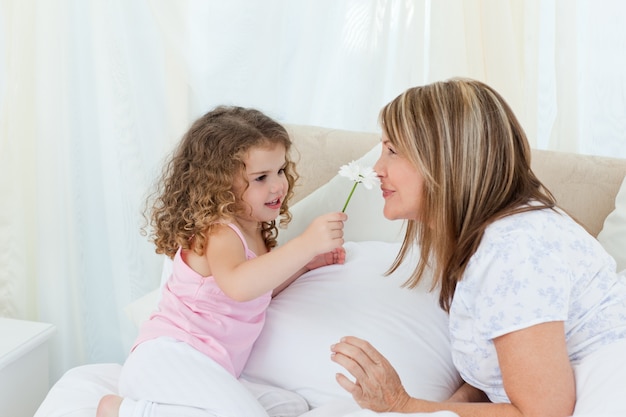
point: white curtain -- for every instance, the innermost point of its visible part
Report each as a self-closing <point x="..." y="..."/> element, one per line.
<point x="93" y="94"/>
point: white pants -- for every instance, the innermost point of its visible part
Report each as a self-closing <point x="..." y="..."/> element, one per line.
<point x="167" y="378"/>
<point x="601" y="383"/>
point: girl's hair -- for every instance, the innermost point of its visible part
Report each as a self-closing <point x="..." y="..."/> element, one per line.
<point x="475" y="158"/>
<point x="195" y="190"/>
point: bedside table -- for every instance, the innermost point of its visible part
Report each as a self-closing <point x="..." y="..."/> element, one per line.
<point x="23" y="366"/>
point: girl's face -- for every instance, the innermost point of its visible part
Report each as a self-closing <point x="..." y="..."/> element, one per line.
<point x="401" y="183"/>
<point x="267" y="183"/>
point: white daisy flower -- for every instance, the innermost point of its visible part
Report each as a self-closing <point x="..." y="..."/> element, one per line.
<point x="365" y="175"/>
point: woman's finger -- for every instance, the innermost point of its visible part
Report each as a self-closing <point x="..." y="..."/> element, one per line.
<point x="347" y="384"/>
<point x="348" y="358"/>
<point x="359" y="350"/>
<point x="376" y="384"/>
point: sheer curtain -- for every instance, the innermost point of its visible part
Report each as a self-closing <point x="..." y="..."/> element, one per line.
<point x="83" y="128"/>
<point x="93" y="94"/>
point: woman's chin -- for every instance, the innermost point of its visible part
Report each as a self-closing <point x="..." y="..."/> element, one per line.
<point x="390" y="215"/>
<point x="397" y="215"/>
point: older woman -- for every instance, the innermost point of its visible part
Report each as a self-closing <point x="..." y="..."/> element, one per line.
<point x="532" y="297"/>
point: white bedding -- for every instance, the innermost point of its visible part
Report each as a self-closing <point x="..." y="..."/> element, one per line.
<point x="77" y="394"/>
<point x="600" y="380"/>
<point x="293" y="350"/>
<point x="78" y="391"/>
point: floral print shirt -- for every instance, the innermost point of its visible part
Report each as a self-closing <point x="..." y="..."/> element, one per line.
<point x="532" y="268"/>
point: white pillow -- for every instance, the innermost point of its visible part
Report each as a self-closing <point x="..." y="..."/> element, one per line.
<point x="139" y="310"/>
<point x="406" y="325"/>
<point x="613" y="233"/>
<point x="365" y="211"/>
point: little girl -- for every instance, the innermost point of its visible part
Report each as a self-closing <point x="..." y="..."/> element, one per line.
<point x="215" y="214"/>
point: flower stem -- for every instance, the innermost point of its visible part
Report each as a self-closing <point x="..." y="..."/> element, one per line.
<point x="343" y="210"/>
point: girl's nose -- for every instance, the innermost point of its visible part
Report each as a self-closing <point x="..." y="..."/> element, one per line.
<point x="276" y="186"/>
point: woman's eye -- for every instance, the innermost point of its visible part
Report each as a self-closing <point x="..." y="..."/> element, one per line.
<point x="391" y="150"/>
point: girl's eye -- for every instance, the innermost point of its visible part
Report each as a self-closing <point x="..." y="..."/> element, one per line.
<point x="391" y="150"/>
<point x="261" y="178"/>
<point x="281" y="171"/>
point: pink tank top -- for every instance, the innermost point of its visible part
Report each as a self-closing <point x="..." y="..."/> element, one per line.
<point x="194" y="310"/>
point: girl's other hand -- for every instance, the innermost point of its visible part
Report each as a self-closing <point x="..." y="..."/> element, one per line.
<point x="335" y="256"/>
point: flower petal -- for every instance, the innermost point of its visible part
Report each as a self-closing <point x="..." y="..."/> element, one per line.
<point x="369" y="178"/>
<point x="350" y="171"/>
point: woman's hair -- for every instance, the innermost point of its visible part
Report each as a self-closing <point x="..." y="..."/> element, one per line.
<point x="475" y="158"/>
<point x="195" y="190"/>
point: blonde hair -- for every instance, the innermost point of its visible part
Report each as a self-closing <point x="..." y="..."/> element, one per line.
<point x="195" y="190"/>
<point x="475" y="158"/>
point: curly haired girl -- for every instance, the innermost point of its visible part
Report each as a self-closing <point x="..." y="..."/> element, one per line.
<point x="214" y="213"/>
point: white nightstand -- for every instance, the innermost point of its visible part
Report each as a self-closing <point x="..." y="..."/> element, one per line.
<point x="23" y="366"/>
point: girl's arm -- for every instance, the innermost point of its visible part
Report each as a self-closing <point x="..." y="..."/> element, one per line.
<point x="537" y="376"/>
<point x="245" y="280"/>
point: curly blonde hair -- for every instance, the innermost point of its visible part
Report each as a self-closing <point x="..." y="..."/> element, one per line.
<point x="195" y="190"/>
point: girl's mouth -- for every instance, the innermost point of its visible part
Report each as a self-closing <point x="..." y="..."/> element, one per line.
<point x="274" y="204"/>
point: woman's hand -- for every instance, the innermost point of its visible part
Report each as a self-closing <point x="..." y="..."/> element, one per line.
<point x="376" y="384"/>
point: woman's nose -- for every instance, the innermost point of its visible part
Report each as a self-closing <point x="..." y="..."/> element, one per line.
<point x="378" y="168"/>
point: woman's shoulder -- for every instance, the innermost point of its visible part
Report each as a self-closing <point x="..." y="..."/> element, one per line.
<point x="526" y="231"/>
<point x="544" y="231"/>
<point x="534" y="220"/>
<point x="520" y="221"/>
